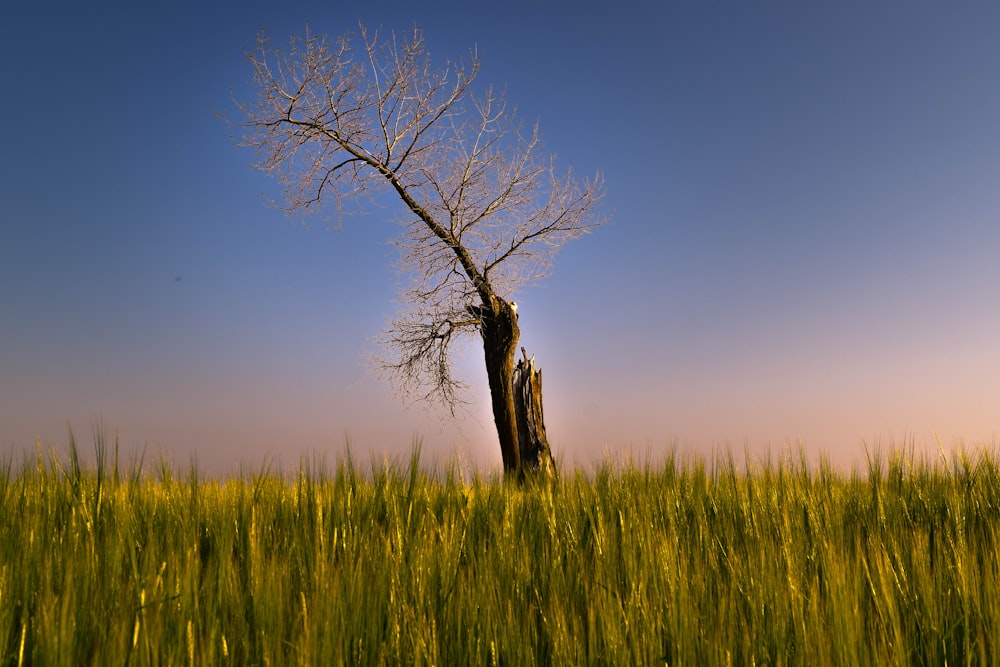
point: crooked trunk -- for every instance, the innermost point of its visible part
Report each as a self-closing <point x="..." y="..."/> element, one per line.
<point x="516" y="397"/>
<point x="500" y="334"/>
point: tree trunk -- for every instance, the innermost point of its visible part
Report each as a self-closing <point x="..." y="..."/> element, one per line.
<point x="536" y="456"/>
<point x="500" y="335"/>
<point x="516" y="394"/>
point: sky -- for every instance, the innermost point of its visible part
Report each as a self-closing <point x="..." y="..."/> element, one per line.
<point x="804" y="244"/>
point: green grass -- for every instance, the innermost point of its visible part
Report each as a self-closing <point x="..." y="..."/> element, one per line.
<point x="683" y="562"/>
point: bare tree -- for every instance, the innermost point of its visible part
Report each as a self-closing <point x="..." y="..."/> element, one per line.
<point x="484" y="213"/>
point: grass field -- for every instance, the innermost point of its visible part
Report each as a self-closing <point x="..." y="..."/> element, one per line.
<point x="685" y="562"/>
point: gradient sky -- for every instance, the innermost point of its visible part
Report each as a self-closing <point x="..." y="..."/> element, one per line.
<point x="805" y="240"/>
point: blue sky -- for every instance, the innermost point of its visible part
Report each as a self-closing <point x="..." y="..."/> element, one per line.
<point x="805" y="234"/>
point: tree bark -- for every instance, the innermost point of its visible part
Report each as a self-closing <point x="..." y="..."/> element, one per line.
<point x="536" y="456"/>
<point x="500" y="335"/>
<point x="516" y="393"/>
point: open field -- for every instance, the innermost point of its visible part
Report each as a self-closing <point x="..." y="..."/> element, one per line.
<point x="684" y="562"/>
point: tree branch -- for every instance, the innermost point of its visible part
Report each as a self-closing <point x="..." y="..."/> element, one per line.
<point x="483" y="214"/>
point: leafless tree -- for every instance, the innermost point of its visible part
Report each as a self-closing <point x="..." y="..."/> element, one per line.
<point x="483" y="212"/>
